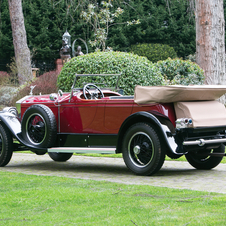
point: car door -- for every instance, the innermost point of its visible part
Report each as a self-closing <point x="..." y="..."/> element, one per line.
<point x="116" y="111"/>
<point x="78" y="115"/>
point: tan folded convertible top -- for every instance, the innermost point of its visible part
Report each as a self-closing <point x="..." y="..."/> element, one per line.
<point x="202" y="113"/>
<point x="167" y="94"/>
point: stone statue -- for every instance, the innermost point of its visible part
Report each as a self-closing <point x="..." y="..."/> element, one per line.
<point x="65" y="51"/>
<point x="31" y="92"/>
<point x="79" y="51"/>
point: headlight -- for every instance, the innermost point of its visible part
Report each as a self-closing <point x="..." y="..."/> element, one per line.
<point x="12" y="110"/>
<point x="53" y="97"/>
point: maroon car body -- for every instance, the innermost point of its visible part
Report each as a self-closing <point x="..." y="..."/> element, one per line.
<point x="95" y="120"/>
<point x="101" y="116"/>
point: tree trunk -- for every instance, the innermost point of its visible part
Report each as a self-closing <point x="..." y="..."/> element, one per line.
<point x="210" y="40"/>
<point x="22" y="52"/>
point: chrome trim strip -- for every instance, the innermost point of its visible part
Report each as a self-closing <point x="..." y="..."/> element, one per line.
<point x="18" y="103"/>
<point x="83" y="150"/>
<point x="58" y="118"/>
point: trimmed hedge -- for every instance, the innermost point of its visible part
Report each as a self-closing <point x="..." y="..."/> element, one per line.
<point x="154" y="52"/>
<point x="135" y="70"/>
<point x="180" y="71"/>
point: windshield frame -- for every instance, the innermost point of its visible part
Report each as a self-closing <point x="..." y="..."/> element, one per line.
<point x="91" y="75"/>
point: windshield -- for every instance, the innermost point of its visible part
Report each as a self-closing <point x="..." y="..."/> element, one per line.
<point x="109" y="81"/>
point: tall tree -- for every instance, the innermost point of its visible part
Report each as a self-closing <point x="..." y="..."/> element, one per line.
<point x="22" y="52"/>
<point x="210" y="40"/>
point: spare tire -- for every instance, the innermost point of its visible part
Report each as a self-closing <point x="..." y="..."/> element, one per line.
<point x="39" y="127"/>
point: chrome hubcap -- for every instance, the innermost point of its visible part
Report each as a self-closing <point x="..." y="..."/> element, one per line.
<point x="136" y="150"/>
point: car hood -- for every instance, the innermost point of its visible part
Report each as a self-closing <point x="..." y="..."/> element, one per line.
<point x="42" y="98"/>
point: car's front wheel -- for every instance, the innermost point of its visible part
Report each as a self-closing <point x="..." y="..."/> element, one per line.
<point x="60" y="157"/>
<point x="141" y="148"/>
<point x="6" y="145"/>
<point x="201" y="159"/>
<point x="39" y="126"/>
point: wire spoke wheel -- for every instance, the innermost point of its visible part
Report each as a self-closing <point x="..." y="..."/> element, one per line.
<point x="141" y="149"/>
<point x="201" y="159"/>
<point x="60" y="157"/>
<point x="36" y="129"/>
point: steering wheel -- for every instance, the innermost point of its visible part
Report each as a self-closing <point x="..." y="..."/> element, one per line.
<point x="96" y="94"/>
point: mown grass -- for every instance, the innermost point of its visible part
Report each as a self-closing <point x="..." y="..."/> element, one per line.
<point x="48" y="200"/>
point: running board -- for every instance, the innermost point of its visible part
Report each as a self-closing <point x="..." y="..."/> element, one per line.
<point x="83" y="150"/>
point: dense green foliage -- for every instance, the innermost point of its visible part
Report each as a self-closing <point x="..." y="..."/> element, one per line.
<point x="135" y="70"/>
<point x="154" y="52"/>
<point x="45" y="24"/>
<point x="46" y="21"/>
<point x="6" y="43"/>
<point x="174" y="27"/>
<point x="180" y="71"/>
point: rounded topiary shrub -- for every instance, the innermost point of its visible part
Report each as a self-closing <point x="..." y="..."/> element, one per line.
<point x="135" y="70"/>
<point x="154" y="52"/>
<point x="178" y="71"/>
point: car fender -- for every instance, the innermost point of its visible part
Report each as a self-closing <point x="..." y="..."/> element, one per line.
<point x="12" y="122"/>
<point x="143" y="116"/>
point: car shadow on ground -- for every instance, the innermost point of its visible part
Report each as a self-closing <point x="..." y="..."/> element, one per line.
<point x="74" y="168"/>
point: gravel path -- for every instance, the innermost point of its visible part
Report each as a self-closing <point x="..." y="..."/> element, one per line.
<point x="173" y="174"/>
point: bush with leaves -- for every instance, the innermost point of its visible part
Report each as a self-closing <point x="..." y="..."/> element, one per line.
<point x="191" y="57"/>
<point x="45" y="84"/>
<point x="6" y="94"/>
<point x="4" y="78"/>
<point x="154" y="52"/>
<point x="180" y="71"/>
<point x="134" y="70"/>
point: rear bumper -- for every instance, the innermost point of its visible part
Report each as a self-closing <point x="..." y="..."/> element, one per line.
<point x="202" y="142"/>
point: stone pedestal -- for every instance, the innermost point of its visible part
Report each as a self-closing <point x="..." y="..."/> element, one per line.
<point x="34" y="72"/>
<point x="59" y="65"/>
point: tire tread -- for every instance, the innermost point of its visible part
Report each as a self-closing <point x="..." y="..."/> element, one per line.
<point x="6" y="154"/>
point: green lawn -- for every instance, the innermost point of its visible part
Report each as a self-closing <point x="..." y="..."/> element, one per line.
<point x="47" y="200"/>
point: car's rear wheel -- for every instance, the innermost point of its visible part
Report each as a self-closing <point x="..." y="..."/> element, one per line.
<point x="60" y="157"/>
<point x="39" y="126"/>
<point x="6" y="145"/>
<point x="141" y="148"/>
<point x="200" y="159"/>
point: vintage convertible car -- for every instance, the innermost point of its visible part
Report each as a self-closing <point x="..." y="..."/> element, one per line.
<point x="157" y="121"/>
